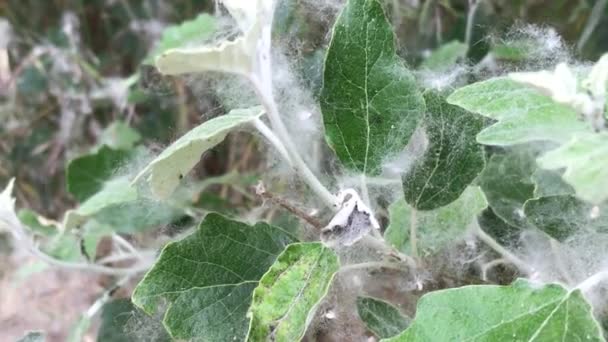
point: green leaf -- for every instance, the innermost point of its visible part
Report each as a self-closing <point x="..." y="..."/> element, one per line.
<point x="584" y="158"/>
<point x="506" y="182"/>
<point x="562" y="216"/>
<point x="118" y="320"/>
<point x="452" y="160"/>
<point x="446" y="56"/>
<point x="370" y="102"/>
<point x="138" y="215"/>
<point x="523" y="113"/>
<point x="34" y="336"/>
<point x="380" y="317"/>
<point x="79" y="330"/>
<point x="118" y="135"/>
<point x="435" y="228"/>
<point x="287" y="295"/>
<point x="550" y="183"/>
<point x="207" y="279"/>
<point x="497" y="228"/>
<point x="188" y="32"/>
<point x="522" y="311"/>
<point x="114" y="318"/>
<point x="87" y="175"/>
<point x="240" y="56"/>
<point x="37" y="224"/>
<point x="517" y="51"/>
<point x="114" y="192"/>
<point x="167" y="170"/>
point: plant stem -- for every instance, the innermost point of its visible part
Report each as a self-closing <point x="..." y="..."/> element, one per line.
<point x="261" y="191"/>
<point x="386" y="249"/>
<point x="22" y="238"/>
<point x="298" y="163"/>
<point x="488" y="240"/>
<point x="414" y="232"/>
<point x="490" y="265"/>
<point x="105" y="297"/>
<point x="592" y="281"/>
<point x="372" y="264"/>
<point x="594" y="19"/>
<point x="473" y="5"/>
<point x="559" y="261"/>
<point x="272" y="138"/>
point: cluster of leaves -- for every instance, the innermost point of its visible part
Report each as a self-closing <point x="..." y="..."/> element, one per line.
<point x="497" y="157"/>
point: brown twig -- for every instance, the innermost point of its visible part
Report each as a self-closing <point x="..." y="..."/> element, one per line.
<point x="260" y="190"/>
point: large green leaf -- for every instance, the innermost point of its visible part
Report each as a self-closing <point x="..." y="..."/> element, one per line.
<point x="370" y="102"/>
<point x="585" y="159"/>
<point x="380" y="317"/>
<point x="87" y="175"/>
<point x="187" y="32"/>
<point x="452" y="160"/>
<point x="287" y="295"/>
<point x="436" y="227"/>
<point x="522" y="311"/>
<point x="523" y="113"/>
<point x="445" y="56"/>
<point x="507" y="183"/>
<point x="167" y="170"/>
<point x="564" y="215"/>
<point x="207" y="279"/>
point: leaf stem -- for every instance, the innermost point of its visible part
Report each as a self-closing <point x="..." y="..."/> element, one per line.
<point x="414" y="232"/>
<point x="272" y="139"/>
<point x="512" y="258"/>
<point x="593" y="281"/>
<point x="372" y="264"/>
<point x="21" y="238"/>
<point x="473" y="5"/>
<point x="105" y="297"/>
<point x="594" y="19"/>
<point x="265" y="96"/>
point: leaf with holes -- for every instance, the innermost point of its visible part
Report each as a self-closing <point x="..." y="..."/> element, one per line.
<point x="523" y="113"/>
<point x="167" y="170"/>
<point x="287" y="295"/>
<point x="207" y="279"/>
<point x="452" y="160"/>
<point x="370" y="102"/>
<point x="380" y="317"/>
<point x="434" y="228"/>
<point x="522" y="311"/>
